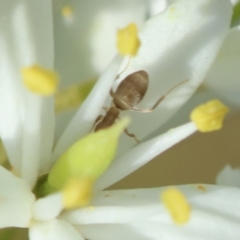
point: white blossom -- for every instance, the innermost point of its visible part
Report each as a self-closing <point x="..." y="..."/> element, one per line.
<point x="180" y="43"/>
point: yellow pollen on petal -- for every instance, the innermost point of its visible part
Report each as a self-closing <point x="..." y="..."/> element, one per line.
<point x="209" y="117"/>
<point x="40" y="80"/>
<point x="127" y="40"/>
<point x="67" y="11"/>
<point x="201" y="188"/>
<point x="177" y="205"/>
<point x="77" y="192"/>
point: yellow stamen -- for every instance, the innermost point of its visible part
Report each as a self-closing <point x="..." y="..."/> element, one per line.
<point x="209" y="117"/>
<point x="128" y="41"/>
<point x="77" y="192"/>
<point x="177" y="205"/>
<point x="40" y="80"/>
<point x="67" y="11"/>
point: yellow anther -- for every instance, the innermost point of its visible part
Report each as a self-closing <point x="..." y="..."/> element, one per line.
<point x="209" y="117"/>
<point x="40" y="80"/>
<point x="77" y="192"/>
<point x="177" y="205"/>
<point x="128" y="41"/>
<point x="67" y="11"/>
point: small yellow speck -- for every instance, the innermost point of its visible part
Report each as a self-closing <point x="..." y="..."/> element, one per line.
<point x="173" y="13"/>
<point x="40" y="80"/>
<point x="77" y="192"/>
<point x="127" y="40"/>
<point x="201" y="188"/>
<point x="67" y="11"/>
<point x="209" y="117"/>
<point x="177" y="205"/>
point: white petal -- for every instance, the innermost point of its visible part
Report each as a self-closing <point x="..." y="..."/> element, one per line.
<point x="117" y="14"/>
<point x="47" y="208"/>
<point x="53" y="230"/>
<point x="223" y="76"/>
<point x="108" y="214"/>
<point x="215" y="214"/>
<point x="234" y="2"/>
<point x="229" y="177"/>
<point x="157" y="6"/>
<point x="136" y="157"/>
<point x="62" y="120"/>
<point x="178" y="44"/>
<point x="82" y="122"/>
<point x="47" y="134"/>
<point x="85" y="48"/>
<point x="16" y="200"/>
<point x="110" y="232"/>
<point x="25" y="39"/>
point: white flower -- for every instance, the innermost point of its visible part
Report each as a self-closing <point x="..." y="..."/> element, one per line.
<point x="136" y="214"/>
<point x="185" y="38"/>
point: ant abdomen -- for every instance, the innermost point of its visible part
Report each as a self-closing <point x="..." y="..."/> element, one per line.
<point x="131" y="90"/>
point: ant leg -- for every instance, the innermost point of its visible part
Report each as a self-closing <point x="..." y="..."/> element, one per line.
<point x="111" y="93"/>
<point x="118" y="75"/>
<point x="98" y="119"/>
<point x="128" y="62"/>
<point x="105" y="109"/>
<point x="131" y="135"/>
<point x="147" y="110"/>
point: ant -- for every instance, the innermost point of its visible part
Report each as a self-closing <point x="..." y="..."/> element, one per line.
<point x="128" y="94"/>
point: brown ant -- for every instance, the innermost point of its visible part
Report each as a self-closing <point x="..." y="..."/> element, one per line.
<point x="128" y="94"/>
